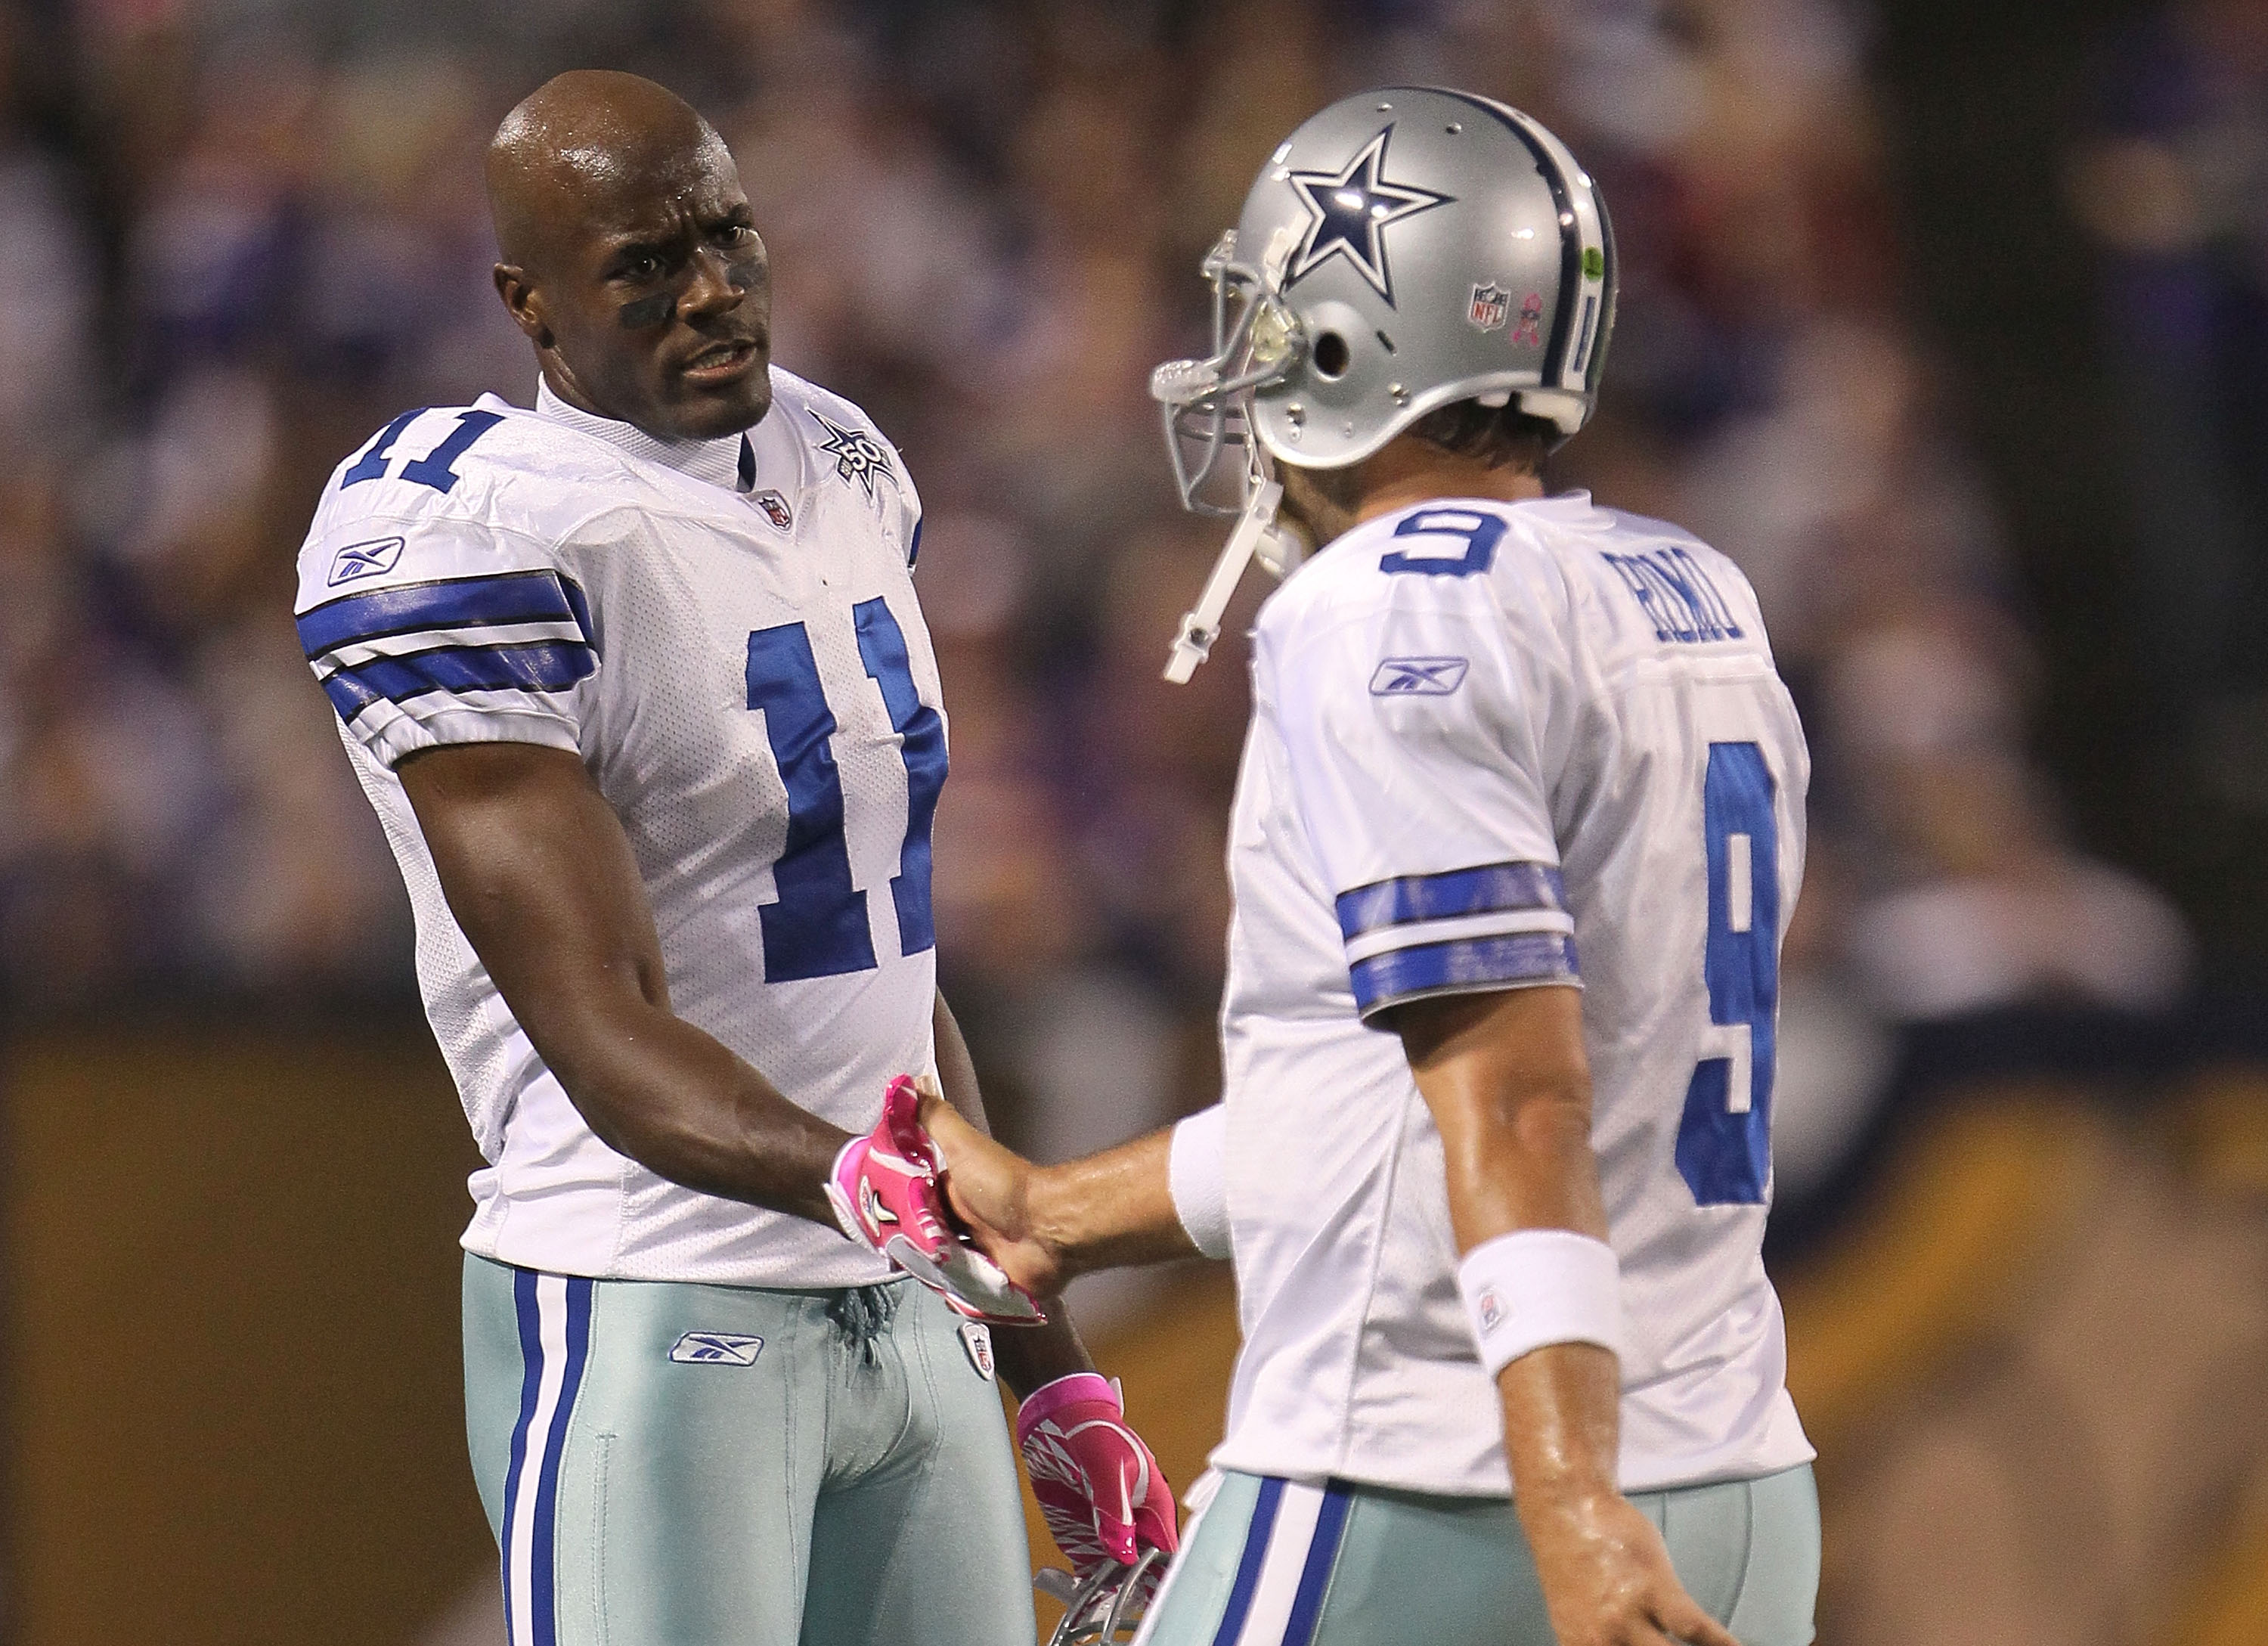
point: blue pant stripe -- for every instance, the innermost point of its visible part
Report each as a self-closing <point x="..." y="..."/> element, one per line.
<point x="1248" y="1567"/>
<point x="531" y="1385"/>
<point x="1315" y="1574"/>
<point x="541" y="1553"/>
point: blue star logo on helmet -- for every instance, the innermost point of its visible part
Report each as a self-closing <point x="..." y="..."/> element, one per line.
<point x="858" y="455"/>
<point x="1349" y="212"/>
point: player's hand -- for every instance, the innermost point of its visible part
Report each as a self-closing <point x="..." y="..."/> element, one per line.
<point x="1607" y="1578"/>
<point x="884" y="1189"/>
<point x="988" y="1188"/>
<point x="1101" y="1491"/>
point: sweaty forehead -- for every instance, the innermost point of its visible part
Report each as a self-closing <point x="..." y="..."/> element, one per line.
<point x="561" y="177"/>
<point x="615" y="189"/>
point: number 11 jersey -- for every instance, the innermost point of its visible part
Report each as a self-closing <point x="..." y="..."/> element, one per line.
<point x="726" y="633"/>
<point x="1498" y="746"/>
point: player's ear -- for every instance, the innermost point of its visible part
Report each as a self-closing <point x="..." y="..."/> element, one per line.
<point x="522" y="300"/>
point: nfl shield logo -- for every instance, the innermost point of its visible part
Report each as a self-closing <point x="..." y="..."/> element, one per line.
<point x="1491" y="306"/>
<point x="775" y="509"/>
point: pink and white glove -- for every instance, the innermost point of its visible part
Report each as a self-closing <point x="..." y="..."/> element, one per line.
<point x="1103" y="1495"/>
<point x="884" y="1189"/>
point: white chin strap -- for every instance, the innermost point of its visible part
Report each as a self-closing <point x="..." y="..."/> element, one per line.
<point x="1256" y="537"/>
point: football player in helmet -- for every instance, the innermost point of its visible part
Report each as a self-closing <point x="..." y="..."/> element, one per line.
<point x="1518" y="830"/>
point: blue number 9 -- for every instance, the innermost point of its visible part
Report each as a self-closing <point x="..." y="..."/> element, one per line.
<point x="1724" y="1142"/>
<point x="1481" y="531"/>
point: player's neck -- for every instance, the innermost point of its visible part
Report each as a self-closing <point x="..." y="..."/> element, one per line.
<point x="1325" y="504"/>
<point x="1395" y="480"/>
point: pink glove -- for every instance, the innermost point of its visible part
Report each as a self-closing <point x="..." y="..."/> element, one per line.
<point x="884" y="1189"/>
<point x="1103" y="1495"/>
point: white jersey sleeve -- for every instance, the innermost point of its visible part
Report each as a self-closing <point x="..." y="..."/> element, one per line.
<point x="1196" y="1177"/>
<point x="433" y="625"/>
<point x="1415" y="765"/>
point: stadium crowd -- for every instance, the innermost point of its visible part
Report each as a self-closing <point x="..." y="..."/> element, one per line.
<point x="238" y="238"/>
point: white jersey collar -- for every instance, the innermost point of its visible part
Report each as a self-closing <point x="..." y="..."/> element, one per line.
<point x="717" y="461"/>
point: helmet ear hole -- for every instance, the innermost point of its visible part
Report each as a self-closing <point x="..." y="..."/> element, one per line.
<point x="1331" y="356"/>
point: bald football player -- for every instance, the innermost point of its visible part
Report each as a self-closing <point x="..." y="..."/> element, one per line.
<point x="638" y="686"/>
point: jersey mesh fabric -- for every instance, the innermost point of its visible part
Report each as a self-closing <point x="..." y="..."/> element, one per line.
<point x="1478" y="761"/>
<point x="666" y="578"/>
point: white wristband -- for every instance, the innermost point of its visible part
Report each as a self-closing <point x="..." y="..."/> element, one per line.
<point x="1536" y="1286"/>
<point x="1197" y="1176"/>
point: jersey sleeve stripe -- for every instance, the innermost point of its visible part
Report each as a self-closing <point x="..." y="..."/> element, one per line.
<point x="508" y="597"/>
<point x="355" y="653"/>
<point x="1488" y="889"/>
<point x="544" y="666"/>
<point x="580" y="607"/>
<point x="1505" y="923"/>
<point x="1469" y="964"/>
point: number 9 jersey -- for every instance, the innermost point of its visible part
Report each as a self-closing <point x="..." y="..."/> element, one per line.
<point x="1495" y="746"/>
<point x="726" y="633"/>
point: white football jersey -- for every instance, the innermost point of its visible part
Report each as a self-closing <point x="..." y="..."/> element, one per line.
<point x="1496" y="745"/>
<point x="726" y="633"/>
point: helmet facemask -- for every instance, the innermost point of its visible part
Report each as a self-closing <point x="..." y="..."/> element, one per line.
<point x="1206" y="409"/>
<point x="1206" y="405"/>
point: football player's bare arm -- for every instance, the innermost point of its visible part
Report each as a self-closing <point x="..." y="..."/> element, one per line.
<point x="1505" y="1077"/>
<point x="1030" y="1357"/>
<point x="540" y="876"/>
<point x="1046" y="1225"/>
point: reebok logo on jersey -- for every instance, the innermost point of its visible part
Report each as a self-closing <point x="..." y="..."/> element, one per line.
<point x="1418" y="676"/>
<point x="716" y="1348"/>
<point x="361" y="560"/>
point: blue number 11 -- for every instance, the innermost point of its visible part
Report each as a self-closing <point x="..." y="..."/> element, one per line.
<point x="817" y="928"/>
<point x="1724" y="1142"/>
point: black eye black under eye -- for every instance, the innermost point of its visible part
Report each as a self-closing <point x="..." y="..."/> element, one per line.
<point x="647" y="311"/>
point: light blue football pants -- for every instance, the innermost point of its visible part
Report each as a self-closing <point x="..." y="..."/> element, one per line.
<point x="669" y="1465"/>
<point x="1273" y="1562"/>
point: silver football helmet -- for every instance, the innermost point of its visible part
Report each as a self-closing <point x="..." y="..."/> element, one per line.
<point x="1404" y="250"/>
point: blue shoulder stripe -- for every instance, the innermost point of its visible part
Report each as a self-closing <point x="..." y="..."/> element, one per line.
<point x="539" y="596"/>
<point x="541" y="666"/>
<point x="1472" y="962"/>
<point x="1491" y="888"/>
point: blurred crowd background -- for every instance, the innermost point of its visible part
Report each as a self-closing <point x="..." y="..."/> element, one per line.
<point x="1950" y="325"/>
